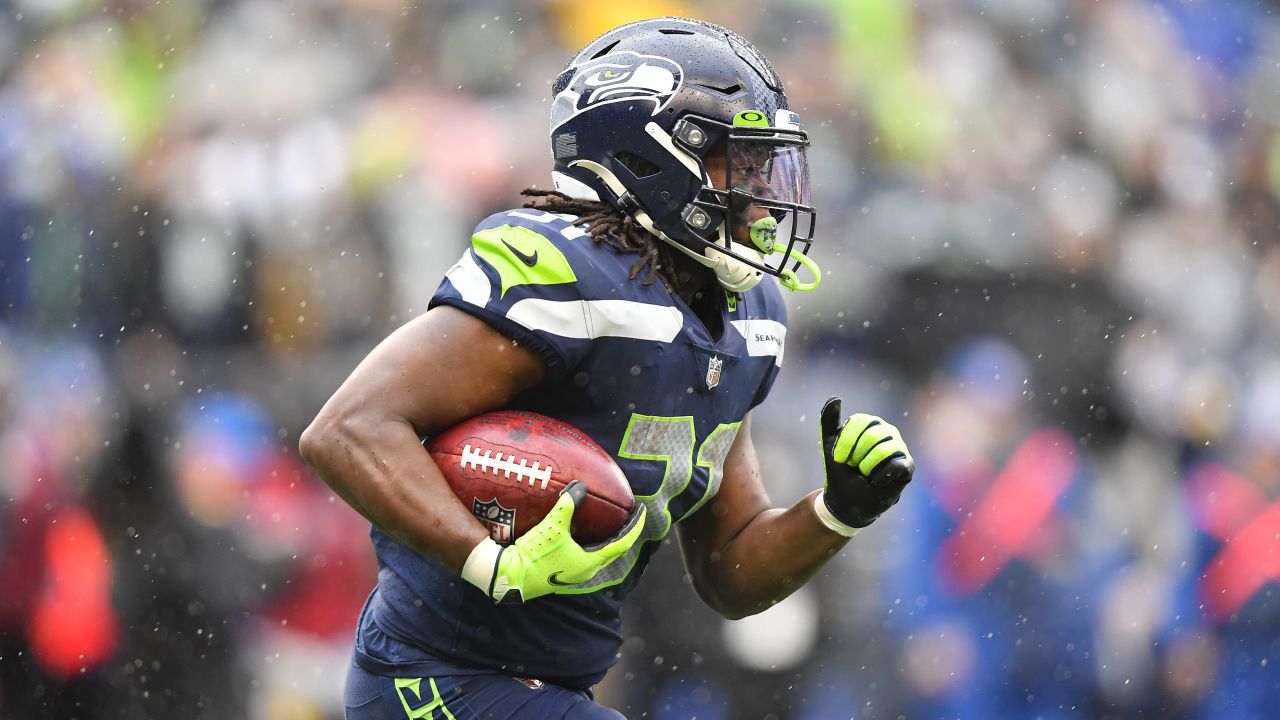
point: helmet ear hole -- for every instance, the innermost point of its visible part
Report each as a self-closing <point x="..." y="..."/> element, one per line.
<point x="638" y="166"/>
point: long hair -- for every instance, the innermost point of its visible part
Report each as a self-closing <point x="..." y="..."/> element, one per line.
<point x="614" y="228"/>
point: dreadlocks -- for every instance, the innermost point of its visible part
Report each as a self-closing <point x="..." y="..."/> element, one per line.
<point x="613" y="228"/>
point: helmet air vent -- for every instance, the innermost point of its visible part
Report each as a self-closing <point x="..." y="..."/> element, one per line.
<point x="638" y="166"/>
<point x="727" y="90"/>
<point x="606" y="49"/>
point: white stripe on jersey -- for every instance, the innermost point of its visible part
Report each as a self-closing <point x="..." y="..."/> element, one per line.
<point x="764" y="337"/>
<point x="469" y="280"/>
<point x="590" y="319"/>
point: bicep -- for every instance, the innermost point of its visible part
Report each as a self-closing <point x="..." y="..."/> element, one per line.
<point x="436" y="370"/>
<point x="704" y="535"/>
<point x="440" y="368"/>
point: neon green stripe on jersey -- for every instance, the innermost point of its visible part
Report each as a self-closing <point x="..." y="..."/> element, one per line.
<point x="522" y="257"/>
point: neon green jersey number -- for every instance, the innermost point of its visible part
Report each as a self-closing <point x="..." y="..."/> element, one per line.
<point x="669" y="440"/>
<point x="404" y="686"/>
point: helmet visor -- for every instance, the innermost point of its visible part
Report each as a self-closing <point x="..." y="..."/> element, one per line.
<point x="769" y="171"/>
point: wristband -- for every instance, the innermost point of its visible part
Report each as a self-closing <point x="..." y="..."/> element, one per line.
<point x="482" y="565"/>
<point x="825" y="517"/>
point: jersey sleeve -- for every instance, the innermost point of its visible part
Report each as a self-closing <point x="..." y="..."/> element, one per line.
<point x="517" y="277"/>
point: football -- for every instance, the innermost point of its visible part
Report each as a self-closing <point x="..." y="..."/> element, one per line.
<point x="509" y="467"/>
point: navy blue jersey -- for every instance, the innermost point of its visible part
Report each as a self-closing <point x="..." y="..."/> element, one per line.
<point x="629" y="365"/>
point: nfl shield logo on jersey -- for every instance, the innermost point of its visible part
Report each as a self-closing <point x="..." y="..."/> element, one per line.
<point x="713" y="371"/>
<point x="501" y="521"/>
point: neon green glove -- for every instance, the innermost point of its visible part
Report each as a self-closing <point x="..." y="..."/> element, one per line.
<point x="868" y="465"/>
<point x="546" y="559"/>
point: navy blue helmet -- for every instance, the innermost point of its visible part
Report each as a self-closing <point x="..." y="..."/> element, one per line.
<point x="684" y="125"/>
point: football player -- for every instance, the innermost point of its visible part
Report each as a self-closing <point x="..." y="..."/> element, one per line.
<point x="640" y="302"/>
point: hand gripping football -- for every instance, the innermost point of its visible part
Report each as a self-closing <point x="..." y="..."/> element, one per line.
<point x="508" y="468"/>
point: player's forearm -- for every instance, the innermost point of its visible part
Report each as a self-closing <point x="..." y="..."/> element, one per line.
<point x="773" y="555"/>
<point x="380" y="468"/>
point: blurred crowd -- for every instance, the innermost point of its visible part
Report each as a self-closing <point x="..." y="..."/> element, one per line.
<point x="1049" y="230"/>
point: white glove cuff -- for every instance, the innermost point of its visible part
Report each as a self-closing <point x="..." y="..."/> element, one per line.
<point x="482" y="564"/>
<point x="827" y="519"/>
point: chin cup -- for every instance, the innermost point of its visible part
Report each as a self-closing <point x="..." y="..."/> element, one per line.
<point x="733" y="274"/>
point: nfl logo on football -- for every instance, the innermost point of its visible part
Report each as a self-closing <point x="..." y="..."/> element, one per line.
<point x="501" y="521"/>
<point x="713" y="372"/>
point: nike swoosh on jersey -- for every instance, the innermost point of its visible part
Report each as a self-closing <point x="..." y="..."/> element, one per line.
<point x="529" y="260"/>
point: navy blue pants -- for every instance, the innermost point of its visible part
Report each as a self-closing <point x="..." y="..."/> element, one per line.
<point x="465" y="697"/>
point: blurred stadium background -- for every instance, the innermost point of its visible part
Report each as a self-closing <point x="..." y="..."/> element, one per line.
<point x="1050" y="230"/>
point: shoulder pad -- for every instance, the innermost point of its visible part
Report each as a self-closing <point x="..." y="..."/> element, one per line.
<point x="533" y="248"/>
<point x="553" y="226"/>
<point x="527" y="247"/>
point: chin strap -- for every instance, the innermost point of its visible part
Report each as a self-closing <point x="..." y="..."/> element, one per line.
<point x="733" y="274"/>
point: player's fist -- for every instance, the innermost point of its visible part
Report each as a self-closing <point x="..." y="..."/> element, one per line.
<point x="867" y="466"/>
<point x="547" y="559"/>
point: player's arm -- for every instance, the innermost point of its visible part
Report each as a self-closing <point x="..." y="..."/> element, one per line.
<point x="438" y="369"/>
<point x="434" y="372"/>
<point x="743" y="555"/>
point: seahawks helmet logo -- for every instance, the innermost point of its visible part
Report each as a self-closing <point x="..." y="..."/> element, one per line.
<point x="618" y="77"/>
